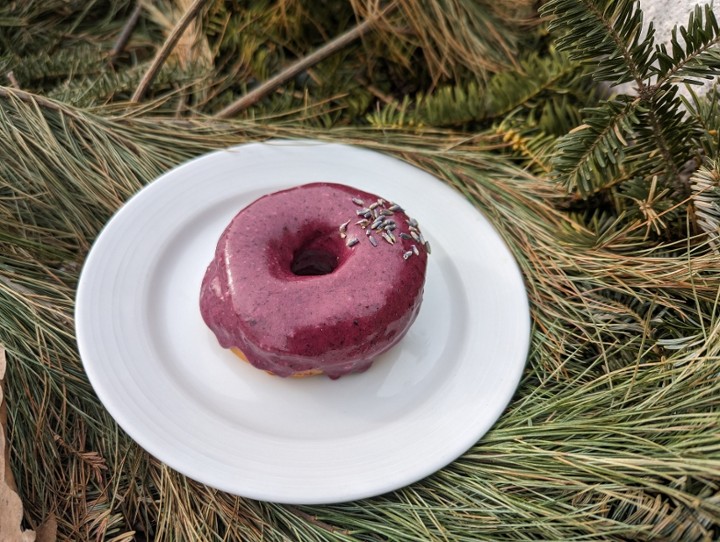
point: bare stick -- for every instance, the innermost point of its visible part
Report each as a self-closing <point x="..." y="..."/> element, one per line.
<point x="127" y="31"/>
<point x="166" y="49"/>
<point x="302" y="64"/>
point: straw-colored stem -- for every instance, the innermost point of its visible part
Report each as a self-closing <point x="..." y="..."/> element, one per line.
<point x="166" y="49"/>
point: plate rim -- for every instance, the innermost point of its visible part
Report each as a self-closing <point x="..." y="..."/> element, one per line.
<point x="127" y="425"/>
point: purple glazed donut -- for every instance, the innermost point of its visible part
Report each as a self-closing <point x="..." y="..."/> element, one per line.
<point x="318" y="279"/>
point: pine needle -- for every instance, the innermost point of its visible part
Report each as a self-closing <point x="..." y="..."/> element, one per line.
<point x="613" y="432"/>
<point x="611" y="436"/>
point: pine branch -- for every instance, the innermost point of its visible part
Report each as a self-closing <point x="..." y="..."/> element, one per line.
<point x="455" y="37"/>
<point x="35" y="99"/>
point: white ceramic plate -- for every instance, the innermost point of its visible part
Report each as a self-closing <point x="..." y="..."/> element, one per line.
<point x="161" y="374"/>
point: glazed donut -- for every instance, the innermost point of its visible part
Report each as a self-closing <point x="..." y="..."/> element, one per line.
<point x="317" y="279"/>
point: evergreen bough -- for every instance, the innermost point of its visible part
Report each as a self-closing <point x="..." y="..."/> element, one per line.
<point x="629" y="145"/>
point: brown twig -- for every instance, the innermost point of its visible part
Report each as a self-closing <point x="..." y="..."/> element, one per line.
<point x="379" y="94"/>
<point x="124" y="37"/>
<point x="166" y="49"/>
<point x="302" y="64"/>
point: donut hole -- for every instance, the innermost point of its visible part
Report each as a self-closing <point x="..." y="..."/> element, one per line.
<point x="313" y="261"/>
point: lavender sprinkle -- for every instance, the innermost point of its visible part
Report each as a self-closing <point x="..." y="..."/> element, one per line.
<point x="378" y="222"/>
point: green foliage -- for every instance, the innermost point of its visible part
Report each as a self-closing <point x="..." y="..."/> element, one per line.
<point x="544" y="93"/>
<point x="698" y="58"/>
<point x="249" y="41"/>
<point x="590" y="155"/>
<point x="706" y="199"/>
<point x="611" y="435"/>
<point x="706" y="110"/>
<point x="644" y="139"/>
<point x="111" y="86"/>
<point x="611" y="206"/>
<point x="610" y="30"/>
<point x="43" y="68"/>
<point x="33" y="26"/>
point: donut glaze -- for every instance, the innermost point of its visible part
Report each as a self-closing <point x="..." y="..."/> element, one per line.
<point x="295" y="293"/>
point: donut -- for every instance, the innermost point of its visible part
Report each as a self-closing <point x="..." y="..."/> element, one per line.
<point x="317" y="279"/>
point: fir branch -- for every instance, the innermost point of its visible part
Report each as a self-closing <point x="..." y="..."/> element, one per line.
<point x="534" y="149"/>
<point x="648" y="205"/>
<point x="705" y="186"/>
<point x="457" y="105"/>
<point x="699" y="58"/>
<point x="589" y="156"/>
<point x="453" y="105"/>
<point x="659" y="140"/>
<point x="705" y="111"/>
<point x="664" y="131"/>
<point x="532" y="85"/>
<point x="394" y="115"/>
<point x="553" y="71"/>
<point x="611" y="30"/>
<point x="117" y="85"/>
<point x="35" y="70"/>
